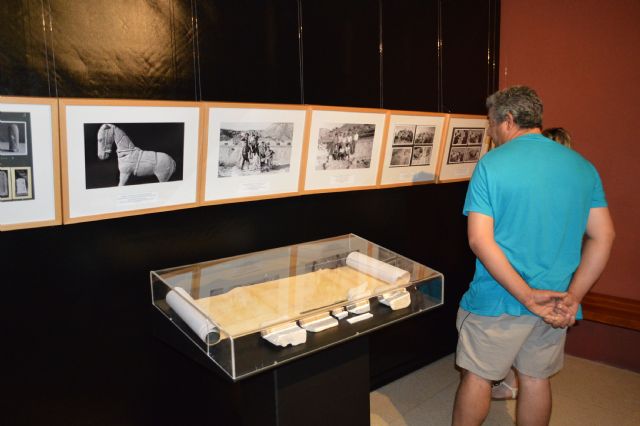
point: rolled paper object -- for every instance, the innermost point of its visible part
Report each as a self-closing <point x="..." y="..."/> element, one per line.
<point x="378" y="269"/>
<point x="183" y="305"/>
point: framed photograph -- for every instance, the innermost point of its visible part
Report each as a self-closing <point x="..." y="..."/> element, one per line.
<point x="29" y="163"/>
<point x="5" y="184"/>
<point x="343" y="148"/>
<point x="466" y="142"/>
<point x="21" y="183"/>
<point x="122" y="157"/>
<point x="411" y="148"/>
<point x="252" y="151"/>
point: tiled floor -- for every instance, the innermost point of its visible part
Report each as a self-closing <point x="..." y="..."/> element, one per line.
<point x="585" y="393"/>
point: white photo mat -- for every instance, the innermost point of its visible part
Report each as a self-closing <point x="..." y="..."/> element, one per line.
<point x="117" y="201"/>
<point x="459" y="159"/>
<point x="420" y="150"/>
<point x="231" y="173"/>
<point x="326" y="125"/>
<point x="43" y="209"/>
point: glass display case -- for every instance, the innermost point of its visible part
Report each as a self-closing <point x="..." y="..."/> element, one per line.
<point x="253" y="312"/>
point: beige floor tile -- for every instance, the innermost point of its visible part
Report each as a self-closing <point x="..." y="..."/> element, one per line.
<point x="400" y="396"/>
<point x="433" y="411"/>
<point x="597" y="384"/>
<point x="586" y="393"/>
<point x="568" y="411"/>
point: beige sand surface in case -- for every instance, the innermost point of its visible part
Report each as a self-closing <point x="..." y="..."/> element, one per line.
<point x="253" y="307"/>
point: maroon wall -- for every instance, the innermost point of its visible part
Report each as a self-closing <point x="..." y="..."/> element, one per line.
<point x="583" y="58"/>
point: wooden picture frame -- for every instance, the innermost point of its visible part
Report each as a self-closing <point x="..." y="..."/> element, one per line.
<point x="251" y="151"/>
<point x="466" y="141"/>
<point x="411" y="148"/>
<point x="128" y="157"/>
<point x="29" y="163"/>
<point x="342" y="149"/>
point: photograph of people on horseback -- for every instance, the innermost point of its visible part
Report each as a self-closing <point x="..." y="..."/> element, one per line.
<point x="345" y="146"/>
<point x="118" y="154"/>
<point x="254" y="148"/>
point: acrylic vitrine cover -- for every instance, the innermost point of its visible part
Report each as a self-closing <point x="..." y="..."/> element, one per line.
<point x="252" y="312"/>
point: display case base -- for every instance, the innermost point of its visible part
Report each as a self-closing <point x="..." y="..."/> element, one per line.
<point x="328" y="387"/>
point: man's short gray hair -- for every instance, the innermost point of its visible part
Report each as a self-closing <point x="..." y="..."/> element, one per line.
<point x="522" y="102"/>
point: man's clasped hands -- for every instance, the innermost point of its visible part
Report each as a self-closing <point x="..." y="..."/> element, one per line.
<point x="558" y="309"/>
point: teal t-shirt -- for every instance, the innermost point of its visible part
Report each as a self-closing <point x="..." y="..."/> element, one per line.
<point x="539" y="194"/>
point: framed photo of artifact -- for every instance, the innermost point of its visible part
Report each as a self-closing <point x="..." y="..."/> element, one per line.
<point x="29" y="163"/>
<point x="466" y="142"/>
<point x="251" y="151"/>
<point x="124" y="157"/>
<point x="343" y="147"/>
<point x="411" y="148"/>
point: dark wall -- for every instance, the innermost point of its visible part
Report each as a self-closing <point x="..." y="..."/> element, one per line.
<point x="79" y="347"/>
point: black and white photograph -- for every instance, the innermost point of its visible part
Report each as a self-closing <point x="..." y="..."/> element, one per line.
<point x="401" y="156"/>
<point x="344" y="146"/>
<point x="14" y="133"/>
<point x="5" y="184"/>
<point x="403" y="134"/>
<point x="464" y="147"/>
<point x="425" y="135"/>
<point x="420" y="163"/>
<point x="119" y="154"/>
<point x="252" y="151"/>
<point x="29" y="163"/>
<point x="464" y="154"/>
<point x="123" y="156"/>
<point x="254" y="148"/>
<point x="421" y="155"/>
<point x="21" y="183"/>
<point x="463" y="137"/>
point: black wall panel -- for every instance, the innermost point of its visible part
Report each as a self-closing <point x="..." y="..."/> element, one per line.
<point x="470" y="41"/>
<point x="253" y="44"/>
<point x="410" y="40"/>
<point x="142" y="49"/>
<point x="77" y="309"/>
<point x="24" y="59"/>
<point x="341" y="58"/>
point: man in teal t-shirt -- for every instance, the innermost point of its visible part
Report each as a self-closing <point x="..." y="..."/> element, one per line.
<point x="531" y="203"/>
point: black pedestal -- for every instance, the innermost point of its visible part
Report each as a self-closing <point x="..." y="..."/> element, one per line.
<point x="327" y="387"/>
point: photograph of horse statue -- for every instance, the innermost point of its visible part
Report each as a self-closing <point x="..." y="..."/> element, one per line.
<point x="134" y="161"/>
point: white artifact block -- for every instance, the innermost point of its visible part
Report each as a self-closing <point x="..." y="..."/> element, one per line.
<point x="398" y="299"/>
<point x="287" y="334"/>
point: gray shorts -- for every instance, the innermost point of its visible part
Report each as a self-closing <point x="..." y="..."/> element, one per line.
<point x="490" y="346"/>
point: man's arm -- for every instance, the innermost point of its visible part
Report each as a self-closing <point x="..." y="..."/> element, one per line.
<point x="484" y="246"/>
<point x="595" y="254"/>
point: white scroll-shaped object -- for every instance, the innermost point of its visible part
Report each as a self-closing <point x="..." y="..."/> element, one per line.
<point x="184" y="305"/>
<point x="378" y="269"/>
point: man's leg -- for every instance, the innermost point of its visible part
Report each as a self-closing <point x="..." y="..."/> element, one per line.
<point x="534" y="401"/>
<point x="472" y="400"/>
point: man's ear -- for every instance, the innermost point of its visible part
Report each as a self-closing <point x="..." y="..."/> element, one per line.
<point x="509" y="119"/>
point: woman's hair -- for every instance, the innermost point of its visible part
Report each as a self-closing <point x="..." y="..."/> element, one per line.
<point x="522" y="102"/>
<point x="559" y="135"/>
